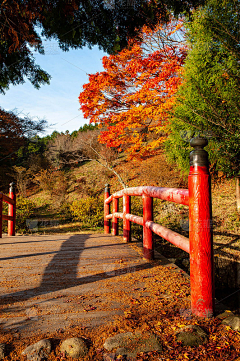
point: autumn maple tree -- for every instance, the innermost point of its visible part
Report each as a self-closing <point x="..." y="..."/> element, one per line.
<point x="131" y="99"/>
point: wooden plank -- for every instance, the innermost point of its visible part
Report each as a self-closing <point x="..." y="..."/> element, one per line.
<point x="8" y="200"/>
<point x="7" y="218"/>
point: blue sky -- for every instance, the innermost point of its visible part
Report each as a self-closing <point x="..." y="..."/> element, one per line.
<point x="57" y="102"/>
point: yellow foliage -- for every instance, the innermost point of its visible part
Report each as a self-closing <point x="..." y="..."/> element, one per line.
<point x="88" y="210"/>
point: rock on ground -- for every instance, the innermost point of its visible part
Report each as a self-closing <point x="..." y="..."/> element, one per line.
<point x="2" y="350"/>
<point x="233" y="322"/>
<point x="191" y="335"/>
<point x="74" y="347"/>
<point x="225" y="314"/>
<point x="130" y="344"/>
<point x="38" y="351"/>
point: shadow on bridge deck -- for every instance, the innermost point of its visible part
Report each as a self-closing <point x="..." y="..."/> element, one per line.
<point x="51" y="282"/>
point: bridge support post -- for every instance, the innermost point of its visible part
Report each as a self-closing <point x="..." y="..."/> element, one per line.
<point x="200" y="231"/>
<point x="148" y="245"/>
<point x="114" y="219"/>
<point x="106" y="209"/>
<point x="126" y="223"/>
<point x="0" y="217"/>
<point x="12" y="210"/>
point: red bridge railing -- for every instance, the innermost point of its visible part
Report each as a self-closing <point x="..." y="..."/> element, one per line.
<point x="200" y="242"/>
<point x="11" y="217"/>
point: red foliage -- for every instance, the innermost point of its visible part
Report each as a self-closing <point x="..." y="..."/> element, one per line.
<point x="132" y="98"/>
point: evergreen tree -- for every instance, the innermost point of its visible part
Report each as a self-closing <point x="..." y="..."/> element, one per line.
<point x="208" y="100"/>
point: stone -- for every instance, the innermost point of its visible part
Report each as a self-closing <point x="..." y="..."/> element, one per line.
<point x="186" y="262"/>
<point x="38" y="351"/>
<point x="191" y="335"/>
<point x="224" y="315"/>
<point x="233" y="322"/>
<point x="2" y="350"/>
<point x="109" y="357"/>
<point x="117" y="341"/>
<point x="130" y="344"/>
<point x="74" y="347"/>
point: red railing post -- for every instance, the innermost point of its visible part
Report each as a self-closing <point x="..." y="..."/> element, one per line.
<point x="106" y="209"/>
<point x="12" y="210"/>
<point x="114" y="219"/>
<point x="148" y="246"/>
<point x="126" y="223"/>
<point x="0" y="217"/>
<point x="200" y="231"/>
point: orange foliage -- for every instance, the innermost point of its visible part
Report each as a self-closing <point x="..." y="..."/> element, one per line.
<point x="131" y="99"/>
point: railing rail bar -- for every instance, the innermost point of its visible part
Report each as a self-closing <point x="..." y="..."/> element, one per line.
<point x="8" y="200"/>
<point x="166" y="233"/>
<point x="135" y="219"/>
<point x="115" y="214"/>
<point x="175" y="195"/>
<point x="7" y="218"/>
<point x="171" y="236"/>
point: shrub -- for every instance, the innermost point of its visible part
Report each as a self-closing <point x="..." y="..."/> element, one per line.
<point x="45" y="179"/>
<point x="89" y="211"/>
<point x="54" y="182"/>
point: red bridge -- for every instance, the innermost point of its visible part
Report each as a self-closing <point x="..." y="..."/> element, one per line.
<point x="200" y="242"/>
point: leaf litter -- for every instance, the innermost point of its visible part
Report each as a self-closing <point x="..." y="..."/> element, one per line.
<point x="162" y="307"/>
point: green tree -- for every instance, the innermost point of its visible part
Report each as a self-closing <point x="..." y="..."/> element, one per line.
<point x="208" y="100"/>
<point x="74" y="24"/>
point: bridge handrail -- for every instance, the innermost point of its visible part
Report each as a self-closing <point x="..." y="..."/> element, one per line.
<point x="200" y="242"/>
<point x="11" y="217"/>
<point x="167" y="194"/>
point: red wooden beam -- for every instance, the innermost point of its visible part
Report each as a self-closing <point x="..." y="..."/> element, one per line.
<point x="106" y="209"/>
<point x="8" y="200"/>
<point x="135" y="219"/>
<point x="148" y="249"/>
<point x="126" y="222"/>
<point x="114" y="219"/>
<point x="168" y="194"/>
<point x="7" y="218"/>
<point x="0" y="217"/>
<point x="12" y="210"/>
<point x="200" y="231"/>
<point x="171" y="236"/>
<point x="117" y="215"/>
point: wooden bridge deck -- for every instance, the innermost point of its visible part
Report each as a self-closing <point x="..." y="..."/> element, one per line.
<point x="55" y="281"/>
